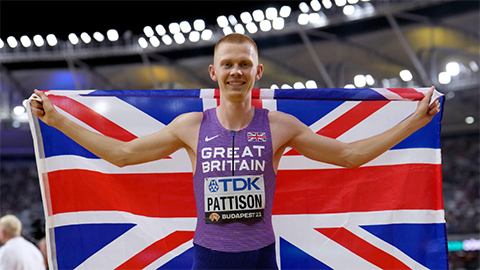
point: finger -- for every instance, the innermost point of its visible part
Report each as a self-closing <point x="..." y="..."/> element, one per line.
<point x="39" y="93"/>
<point x="429" y="93"/>
<point x="38" y="112"/>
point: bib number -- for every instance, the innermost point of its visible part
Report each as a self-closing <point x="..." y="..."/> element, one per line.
<point x="235" y="198"/>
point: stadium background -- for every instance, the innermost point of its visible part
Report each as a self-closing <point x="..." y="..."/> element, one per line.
<point x="349" y="44"/>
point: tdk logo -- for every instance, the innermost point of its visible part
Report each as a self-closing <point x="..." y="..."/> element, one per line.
<point x="234" y="184"/>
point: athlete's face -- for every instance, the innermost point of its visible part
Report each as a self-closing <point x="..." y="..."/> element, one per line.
<point x="235" y="68"/>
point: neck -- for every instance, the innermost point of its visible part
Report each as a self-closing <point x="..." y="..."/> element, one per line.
<point x="235" y="116"/>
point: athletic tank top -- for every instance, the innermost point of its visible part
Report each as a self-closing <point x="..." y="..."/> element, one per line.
<point x="234" y="179"/>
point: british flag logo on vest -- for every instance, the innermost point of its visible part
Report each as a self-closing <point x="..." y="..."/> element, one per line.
<point x="256" y="137"/>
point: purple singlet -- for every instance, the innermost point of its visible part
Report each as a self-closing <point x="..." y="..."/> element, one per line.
<point x="234" y="184"/>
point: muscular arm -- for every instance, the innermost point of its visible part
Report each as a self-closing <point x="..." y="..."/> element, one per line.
<point x="178" y="134"/>
<point x="350" y="155"/>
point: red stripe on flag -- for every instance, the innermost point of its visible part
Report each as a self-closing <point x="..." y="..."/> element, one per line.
<point x="92" y="118"/>
<point x="409" y="93"/>
<point x="256" y="101"/>
<point x="347" y="121"/>
<point x="157" y="250"/>
<point x="152" y="195"/>
<point x="256" y="93"/>
<point x="376" y="188"/>
<point x="362" y="248"/>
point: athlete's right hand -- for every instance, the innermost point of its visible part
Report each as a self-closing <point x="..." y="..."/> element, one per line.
<point x="44" y="108"/>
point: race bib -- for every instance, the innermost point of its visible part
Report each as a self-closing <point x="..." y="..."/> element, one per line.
<point x="234" y="198"/>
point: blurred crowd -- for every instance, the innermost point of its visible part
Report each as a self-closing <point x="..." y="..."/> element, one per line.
<point x="20" y="194"/>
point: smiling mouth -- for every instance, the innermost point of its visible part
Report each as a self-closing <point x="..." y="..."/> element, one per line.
<point x="235" y="83"/>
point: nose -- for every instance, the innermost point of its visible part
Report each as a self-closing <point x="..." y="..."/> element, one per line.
<point x="236" y="71"/>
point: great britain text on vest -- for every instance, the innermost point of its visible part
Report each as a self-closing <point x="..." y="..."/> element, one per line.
<point x="231" y="159"/>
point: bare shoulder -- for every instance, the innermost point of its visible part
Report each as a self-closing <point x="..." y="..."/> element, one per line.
<point x="283" y="120"/>
<point x="284" y="127"/>
<point x="186" y="128"/>
<point x="188" y="120"/>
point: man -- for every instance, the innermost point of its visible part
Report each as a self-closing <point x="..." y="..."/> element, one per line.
<point x="217" y="143"/>
<point x="17" y="253"/>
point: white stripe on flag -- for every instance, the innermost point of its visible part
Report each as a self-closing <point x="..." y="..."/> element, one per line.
<point x="391" y="157"/>
<point x="208" y="93"/>
<point x="386" y="117"/>
<point x="115" y="109"/>
<point x="179" y="162"/>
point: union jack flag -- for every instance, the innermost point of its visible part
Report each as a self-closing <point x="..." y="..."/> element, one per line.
<point x="387" y="214"/>
<point x="256" y="137"/>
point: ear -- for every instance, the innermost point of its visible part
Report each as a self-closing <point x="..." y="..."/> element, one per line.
<point x="259" y="72"/>
<point x="211" y="71"/>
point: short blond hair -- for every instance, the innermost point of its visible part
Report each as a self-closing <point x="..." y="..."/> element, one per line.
<point x="11" y="225"/>
<point x="237" y="38"/>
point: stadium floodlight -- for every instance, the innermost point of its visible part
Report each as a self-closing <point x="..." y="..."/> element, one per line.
<point x="148" y="31"/>
<point x="271" y="13"/>
<point x="303" y="19"/>
<point x="206" y="34"/>
<point x="251" y="27"/>
<point x="444" y="77"/>
<point x="1" y="43"/>
<point x="160" y="30"/>
<point x="265" y="25"/>
<point x="233" y="21"/>
<point x="311" y="84"/>
<point x="303" y="7"/>
<point x="285" y="11"/>
<point x="315" y="5"/>
<point x="239" y="29"/>
<point x="246" y="17"/>
<point x="154" y="41"/>
<point x="85" y="37"/>
<point x="222" y="21"/>
<point x="174" y="28"/>
<point x="258" y="15"/>
<point x="313" y="18"/>
<point x="143" y="42"/>
<point x="406" y="75"/>
<point x="167" y="40"/>
<point x="19" y="110"/>
<point x="469" y="120"/>
<point x="340" y="3"/>
<point x="298" y="85"/>
<point x="359" y="80"/>
<point x="12" y="42"/>
<point x="227" y="30"/>
<point x="73" y="38"/>
<point x="278" y="23"/>
<point x="199" y="25"/>
<point x="52" y="40"/>
<point x="473" y="65"/>
<point x="286" y="86"/>
<point x="349" y="86"/>
<point x="274" y="86"/>
<point x="453" y="68"/>
<point x="179" y="38"/>
<point x="369" y="79"/>
<point x="26" y="42"/>
<point x="98" y="36"/>
<point x="112" y="35"/>
<point x="185" y="27"/>
<point x="327" y="4"/>
<point x="194" y="36"/>
<point x="352" y="2"/>
<point x="348" y="10"/>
